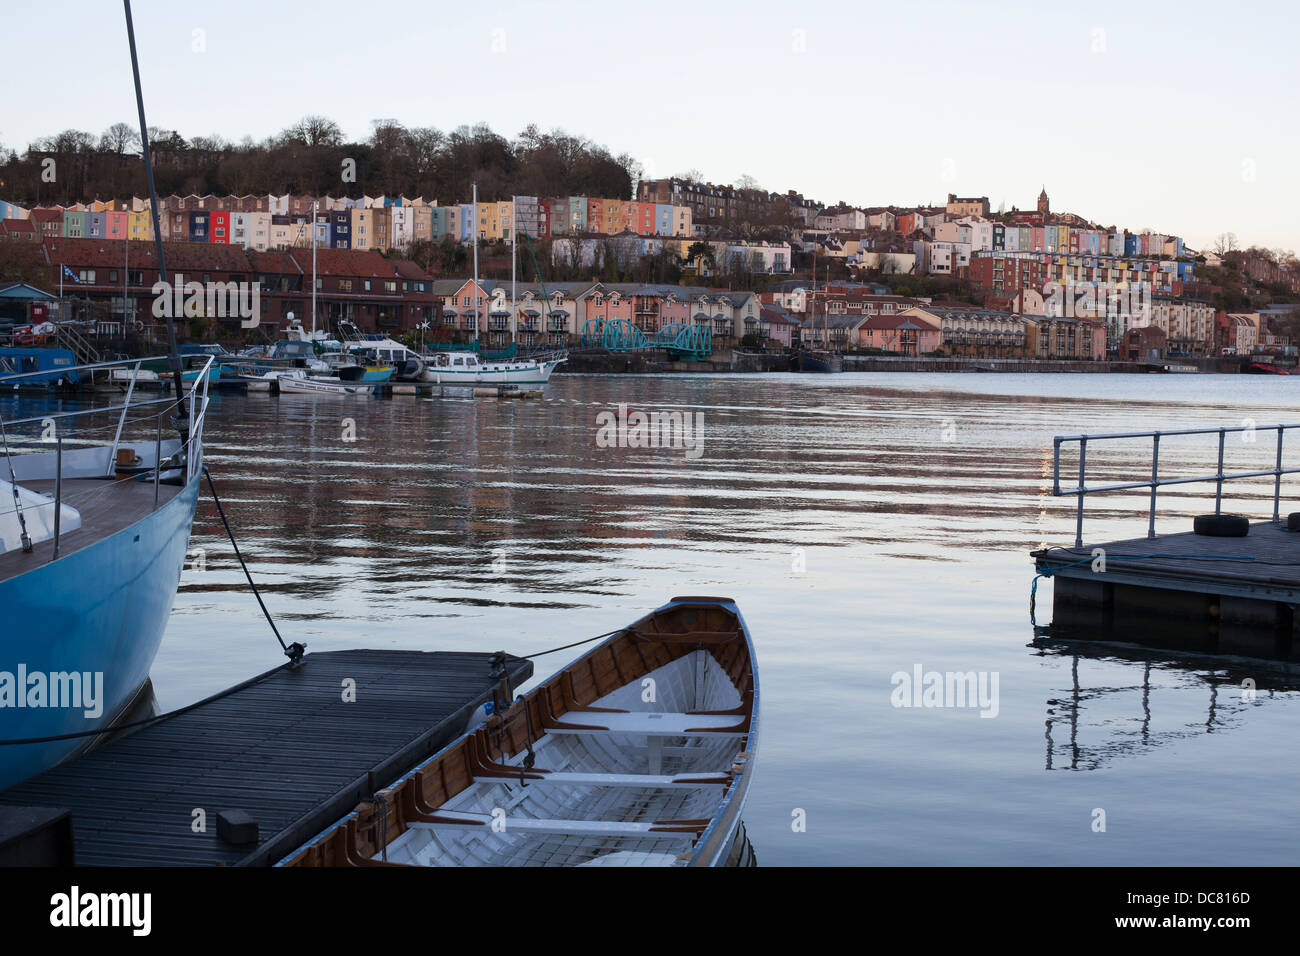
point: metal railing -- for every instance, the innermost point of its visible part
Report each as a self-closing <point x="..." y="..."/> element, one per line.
<point x="1082" y="490"/>
<point x="190" y="427"/>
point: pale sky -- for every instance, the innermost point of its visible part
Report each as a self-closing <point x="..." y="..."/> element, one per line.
<point x="1181" y="118"/>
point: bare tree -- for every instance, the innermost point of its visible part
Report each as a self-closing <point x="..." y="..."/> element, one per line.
<point x="120" y="138"/>
<point x="1224" y="243"/>
<point x="314" y="131"/>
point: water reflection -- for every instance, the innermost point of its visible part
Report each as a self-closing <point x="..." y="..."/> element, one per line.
<point x="863" y="522"/>
<point x="1109" y="713"/>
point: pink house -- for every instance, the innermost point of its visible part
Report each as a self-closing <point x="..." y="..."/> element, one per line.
<point x="901" y="334"/>
<point x="115" y="225"/>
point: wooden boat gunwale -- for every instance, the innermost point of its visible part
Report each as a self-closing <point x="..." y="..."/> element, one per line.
<point x="418" y="794"/>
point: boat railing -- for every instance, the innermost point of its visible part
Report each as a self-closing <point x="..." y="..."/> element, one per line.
<point x="1156" y="482"/>
<point x="193" y="402"/>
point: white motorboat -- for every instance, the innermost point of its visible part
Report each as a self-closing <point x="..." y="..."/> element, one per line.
<point x="468" y="368"/>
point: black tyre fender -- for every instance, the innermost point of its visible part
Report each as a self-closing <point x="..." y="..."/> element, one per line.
<point x="1293" y="521"/>
<point x="1221" y="526"/>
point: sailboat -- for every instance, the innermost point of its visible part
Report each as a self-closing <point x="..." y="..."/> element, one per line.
<point x="817" y="360"/>
<point x="92" y="545"/>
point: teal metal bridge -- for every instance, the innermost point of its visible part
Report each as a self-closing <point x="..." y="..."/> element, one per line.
<point x="687" y="342"/>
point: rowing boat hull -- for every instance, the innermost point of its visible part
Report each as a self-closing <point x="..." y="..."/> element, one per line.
<point x="640" y="752"/>
<point x="310" y="386"/>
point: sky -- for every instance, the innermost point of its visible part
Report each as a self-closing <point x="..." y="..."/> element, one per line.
<point x="1180" y="118"/>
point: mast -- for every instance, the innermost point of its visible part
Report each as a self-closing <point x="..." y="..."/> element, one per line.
<point x="474" y="239"/>
<point x="313" y="271"/>
<point x="172" y="354"/>
<point x="812" y="320"/>
<point x="514" y="239"/>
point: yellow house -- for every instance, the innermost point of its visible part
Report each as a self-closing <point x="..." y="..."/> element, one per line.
<point x="613" y="213"/>
<point x="139" y="224"/>
<point x="363" y="228"/>
<point x="381" y="218"/>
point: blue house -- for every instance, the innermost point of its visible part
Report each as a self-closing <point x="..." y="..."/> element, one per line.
<point x="340" y="230"/>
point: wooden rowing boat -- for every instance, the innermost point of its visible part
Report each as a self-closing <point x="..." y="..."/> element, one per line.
<point x="639" y="753"/>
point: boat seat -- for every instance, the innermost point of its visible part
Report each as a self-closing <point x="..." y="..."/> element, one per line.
<point x="458" y="820"/>
<point x="653" y="724"/>
<point x="655" y="781"/>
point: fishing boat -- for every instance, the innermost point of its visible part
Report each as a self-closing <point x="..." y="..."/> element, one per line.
<point x="639" y="753"/>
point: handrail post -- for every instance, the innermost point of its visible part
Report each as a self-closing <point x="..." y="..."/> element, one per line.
<point x="1056" y="465"/>
<point x="1155" y="483"/>
<point x="1083" y="458"/>
<point x="58" y="494"/>
<point x="1218" y="487"/>
<point x="126" y="405"/>
<point x="157" y="458"/>
<point x="1277" y="478"/>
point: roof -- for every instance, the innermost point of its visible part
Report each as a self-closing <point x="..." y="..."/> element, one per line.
<point x="900" y="322"/>
<point x="408" y="269"/>
<point x="344" y="262"/>
<point x="777" y="316"/>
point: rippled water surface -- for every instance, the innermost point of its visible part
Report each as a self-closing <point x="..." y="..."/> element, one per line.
<point x="865" y="523"/>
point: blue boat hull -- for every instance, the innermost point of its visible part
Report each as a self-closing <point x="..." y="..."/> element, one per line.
<point x="100" y="609"/>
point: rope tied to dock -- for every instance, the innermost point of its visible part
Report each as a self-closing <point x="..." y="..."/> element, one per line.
<point x="292" y="651"/>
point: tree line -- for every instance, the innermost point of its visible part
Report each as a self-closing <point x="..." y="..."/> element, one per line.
<point x="312" y="156"/>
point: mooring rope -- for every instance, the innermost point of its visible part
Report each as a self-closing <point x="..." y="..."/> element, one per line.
<point x="565" y="647"/>
<point x="292" y="651"/>
<point x="149" y="720"/>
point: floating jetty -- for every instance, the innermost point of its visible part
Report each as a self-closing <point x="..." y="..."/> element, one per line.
<point x="247" y="776"/>
<point x="1236" y="595"/>
<point x="1228" y="586"/>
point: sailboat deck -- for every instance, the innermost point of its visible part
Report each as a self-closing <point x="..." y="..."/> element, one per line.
<point x="105" y="506"/>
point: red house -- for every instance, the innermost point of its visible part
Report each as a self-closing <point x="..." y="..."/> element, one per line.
<point x="219" y="227"/>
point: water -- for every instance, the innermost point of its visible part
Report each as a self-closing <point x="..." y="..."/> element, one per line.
<point x="866" y="524"/>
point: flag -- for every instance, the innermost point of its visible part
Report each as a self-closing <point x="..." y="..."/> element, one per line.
<point x="70" y="274"/>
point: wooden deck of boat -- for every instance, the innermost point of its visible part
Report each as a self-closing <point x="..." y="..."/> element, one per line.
<point x="284" y="748"/>
<point x="106" y="507"/>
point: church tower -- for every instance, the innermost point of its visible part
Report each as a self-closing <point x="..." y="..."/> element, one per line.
<point x="1043" y="205"/>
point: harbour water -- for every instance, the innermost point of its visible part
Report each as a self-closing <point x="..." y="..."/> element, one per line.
<point x="869" y="525"/>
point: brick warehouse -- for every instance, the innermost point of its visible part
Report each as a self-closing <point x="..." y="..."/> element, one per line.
<point x="377" y="294"/>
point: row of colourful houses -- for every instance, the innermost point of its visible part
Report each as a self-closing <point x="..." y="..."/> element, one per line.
<point x="379" y="223"/>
